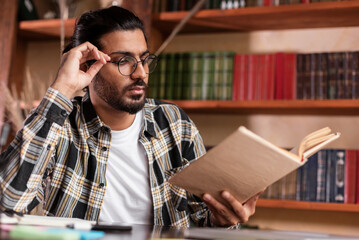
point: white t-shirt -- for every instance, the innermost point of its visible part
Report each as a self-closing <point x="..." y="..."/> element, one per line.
<point x="128" y="197"/>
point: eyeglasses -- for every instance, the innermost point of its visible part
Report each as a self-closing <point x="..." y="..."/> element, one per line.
<point x="128" y="64"/>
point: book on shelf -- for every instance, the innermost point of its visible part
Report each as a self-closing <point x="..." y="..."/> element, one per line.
<point x="245" y="164"/>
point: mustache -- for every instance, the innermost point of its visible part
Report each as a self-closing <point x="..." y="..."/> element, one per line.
<point x="138" y="83"/>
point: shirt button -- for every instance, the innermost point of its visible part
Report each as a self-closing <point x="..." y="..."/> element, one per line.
<point x="63" y="113"/>
<point x="104" y="149"/>
<point x="101" y="185"/>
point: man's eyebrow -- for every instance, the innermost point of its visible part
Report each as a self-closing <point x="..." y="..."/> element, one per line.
<point x="129" y="53"/>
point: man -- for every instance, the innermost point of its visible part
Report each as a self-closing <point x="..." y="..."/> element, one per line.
<point x="107" y="156"/>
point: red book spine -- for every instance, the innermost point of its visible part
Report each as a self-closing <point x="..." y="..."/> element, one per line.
<point x="357" y="179"/>
<point x="252" y="76"/>
<point x="262" y="77"/>
<point x="267" y="2"/>
<point x="279" y="76"/>
<point x="290" y="76"/>
<point x="240" y="77"/>
<point x="243" y="83"/>
<point x="350" y="172"/>
<point x="270" y="77"/>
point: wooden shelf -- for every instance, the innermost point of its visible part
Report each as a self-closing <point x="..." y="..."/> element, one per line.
<point x="45" y="29"/>
<point x="313" y="15"/>
<point x="302" y="205"/>
<point x="316" y="107"/>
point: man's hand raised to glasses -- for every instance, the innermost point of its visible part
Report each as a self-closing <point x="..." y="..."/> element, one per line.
<point x="73" y="74"/>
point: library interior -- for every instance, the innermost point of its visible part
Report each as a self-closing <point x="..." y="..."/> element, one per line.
<point x="281" y="68"/>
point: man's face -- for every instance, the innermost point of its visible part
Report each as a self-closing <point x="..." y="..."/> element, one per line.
<point x="123" y="93"/>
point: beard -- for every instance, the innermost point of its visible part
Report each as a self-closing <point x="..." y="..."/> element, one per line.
<point x="116" y="99"/>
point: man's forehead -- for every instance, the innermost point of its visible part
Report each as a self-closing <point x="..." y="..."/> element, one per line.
<point x="130" y="42"/>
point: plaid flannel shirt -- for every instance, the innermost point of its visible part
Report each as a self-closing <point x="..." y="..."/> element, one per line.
<point x="66" y="142"/>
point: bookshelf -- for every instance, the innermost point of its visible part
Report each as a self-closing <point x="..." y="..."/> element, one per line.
<point x="313" y="15"/>
<point x="300" y="16"/>
<point x="303" y="205"/>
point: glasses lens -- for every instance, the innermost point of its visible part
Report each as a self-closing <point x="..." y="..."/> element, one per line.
<point x="151" y="61"/>
<point x="127" y="65"/>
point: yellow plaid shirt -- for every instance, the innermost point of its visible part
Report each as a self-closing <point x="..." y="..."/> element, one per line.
<point x="65" y="143"/>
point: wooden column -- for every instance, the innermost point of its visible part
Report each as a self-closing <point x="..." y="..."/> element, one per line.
<point x="8" y="29"/>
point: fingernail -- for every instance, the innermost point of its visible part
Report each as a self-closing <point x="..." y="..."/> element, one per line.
<point x="206" y="197"/>
<point x="108" y="57"/>
<point x="225" y="195"/>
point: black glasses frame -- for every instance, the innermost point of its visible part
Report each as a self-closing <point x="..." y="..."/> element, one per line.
<point x="154" y="60"/>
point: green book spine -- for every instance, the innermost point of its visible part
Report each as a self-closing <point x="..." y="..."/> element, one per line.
<point x="178" y="75"/>
<point x="193" y="76"/>
<point x="218" y="75"/>
<point x="227" y="75"/>
<point x="170" y="69"/>
<point x="199" y="77"/>
<point x="153" y="83"/>
<point x="162" y="77"/>
<point x="207" y="76"/>
<point x="187" y="61"/>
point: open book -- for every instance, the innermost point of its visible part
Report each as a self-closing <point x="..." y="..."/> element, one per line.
<point x="245" y="164"/>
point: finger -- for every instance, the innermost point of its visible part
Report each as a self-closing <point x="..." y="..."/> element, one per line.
<point x="220" y="210"/>
<point x="237" y="206"/>
<point x="250" y="205"/>
<point x="94" y="69"/>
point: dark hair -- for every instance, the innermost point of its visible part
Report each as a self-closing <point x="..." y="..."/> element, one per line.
<point x="92" y="25"/>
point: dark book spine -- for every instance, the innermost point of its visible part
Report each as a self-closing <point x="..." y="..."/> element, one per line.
<point x="354" y="75"/>
<point x="300" y="76"/>
<point x="332" y="76"/>
<point x="347" y="59"/>
<point x="340" y="75"/>
<point x="321" y="175"/>
<point x="312" y="175"/>
<point x="322" y="77"/>
<point x="339" y="176"/>
<point x="330" y="183"/>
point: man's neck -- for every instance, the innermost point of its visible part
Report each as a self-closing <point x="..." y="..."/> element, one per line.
<point x="115" y="119"/>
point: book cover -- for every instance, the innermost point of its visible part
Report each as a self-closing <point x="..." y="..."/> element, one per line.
<point x="279" y="76"/>
<point x="348" y="91"/>
<point x="307" y="73"/>
<point x="218" y="75"/>
<point x="354" y="75"/>
<point x="300" y="76"/>
<point x="187" y="62"/>
<point x="289" y="186"/>
<point x="312" y="178"/>
<point x="339" y="175"/>
<point x="252" y="76"/>
<point x="240" y="78"/>
<point x="162" y="78"/>
<point x="245" y="164"/>
<point x="322" y="175"/>
<point x="332" y="75"/>
<point x="340" y="75"/>
<point x="227" y="75"/>
<point x="322" y="76"/>
<point x="178" y="76"/>
<point x="330" y="183"/>
<point x="350" y="174"/>
<point x="290" y="76"/>
<point x="170" y="75"/>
